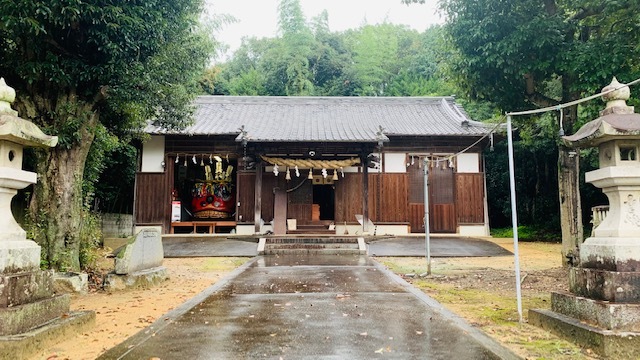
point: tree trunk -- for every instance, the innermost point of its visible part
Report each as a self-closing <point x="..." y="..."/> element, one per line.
<point x="57" y="202"/>
<point x="569" y="193"/>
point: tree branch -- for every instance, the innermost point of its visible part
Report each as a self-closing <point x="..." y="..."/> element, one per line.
<point x="583" y="13"/>
<point x="534" y="96"/>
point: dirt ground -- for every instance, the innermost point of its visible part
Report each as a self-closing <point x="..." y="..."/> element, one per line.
<point x="479" y="289"/>
<point x="122" y="314"/>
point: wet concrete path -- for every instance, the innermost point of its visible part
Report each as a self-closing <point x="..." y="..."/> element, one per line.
<point x="310" y="307"/>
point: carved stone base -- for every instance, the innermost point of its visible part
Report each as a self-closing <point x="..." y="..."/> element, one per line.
<point x="605" y="285"/>
<point x="18" y="289"/>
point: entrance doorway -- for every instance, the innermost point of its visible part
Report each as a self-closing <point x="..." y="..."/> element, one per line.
<point x="324" y="199"/>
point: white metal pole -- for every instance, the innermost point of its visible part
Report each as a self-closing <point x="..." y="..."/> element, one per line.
<point x="427" y="237"/>
<point x="514" y="216"/>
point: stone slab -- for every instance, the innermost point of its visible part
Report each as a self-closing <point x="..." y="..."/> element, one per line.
<point x="19" y="256"/>
<point x="18" y="289"/>
<point x="602" y="314"/>
<point x="605" y="285"/>
<point x="607" y="343"/>
<point x="142" y="279"/>
<point x="26" y="345"/>
<point x="144" y="252"/>
<point x="70" y="282"/>
<point x="22" y="318"/>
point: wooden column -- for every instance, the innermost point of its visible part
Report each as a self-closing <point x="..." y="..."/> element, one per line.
<point x="365" y="193"/>
<point x="280" y="212"/>
<point x="257" y="210"/>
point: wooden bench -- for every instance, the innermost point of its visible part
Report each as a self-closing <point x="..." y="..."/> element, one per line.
<point x="196" y="225"/>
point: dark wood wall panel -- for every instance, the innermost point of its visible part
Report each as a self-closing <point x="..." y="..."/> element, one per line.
<point x="394" y="201"/>
<point x="246" y="196"/>
<point x="470" y="198"/>
<point x="348" y="197"/>
<point x="153" y="199"/>
<point x="269" y="183"/>
<point x="442" y="218"/>
<point x="301" y="212"/>
<point x="416" y="218"/>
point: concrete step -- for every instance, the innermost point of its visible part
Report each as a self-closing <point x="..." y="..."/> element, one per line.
<point x="311" y="245"/>
<point x="307" y="251"/>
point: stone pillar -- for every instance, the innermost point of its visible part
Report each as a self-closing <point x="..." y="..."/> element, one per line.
<point x="27" y="300"/>
<point x="603" y="309"/>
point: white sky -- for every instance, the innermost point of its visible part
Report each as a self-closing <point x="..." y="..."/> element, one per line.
<point x="260" y="17"/>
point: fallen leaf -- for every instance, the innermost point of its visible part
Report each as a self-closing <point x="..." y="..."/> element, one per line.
<point x="379" y="351"/>
<point x="418" y="332"/>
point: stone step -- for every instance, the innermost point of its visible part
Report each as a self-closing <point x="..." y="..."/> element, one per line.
<point x="311" y="241"/>
<point x="308" y="251"/>
<point x="312" y="245"/>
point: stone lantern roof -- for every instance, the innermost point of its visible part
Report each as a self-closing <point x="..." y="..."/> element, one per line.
<point x="17" y="130"/>
<point x="616" y="121"/>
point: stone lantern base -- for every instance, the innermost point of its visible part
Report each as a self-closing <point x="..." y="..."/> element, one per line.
<point x="602" y="312"/>
<point x="33" y="317"/>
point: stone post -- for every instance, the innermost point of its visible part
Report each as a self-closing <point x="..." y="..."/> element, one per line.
<point x="603" y="309"/>
<point x="30" y="312"/>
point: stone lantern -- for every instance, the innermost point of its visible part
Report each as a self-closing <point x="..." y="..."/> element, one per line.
<point x="603" y="309"/>
<point x="30" y="313"/>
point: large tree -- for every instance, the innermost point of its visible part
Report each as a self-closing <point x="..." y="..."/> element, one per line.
<point x="82" y="68"/>
<point x="523" y="54"/>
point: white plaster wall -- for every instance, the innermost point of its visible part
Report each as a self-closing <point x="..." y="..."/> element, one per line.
<point x="245" y="229"/>
<point x="473" y="230"/>
<point x="395" y="163"/>
<point x="468" y="163"/>
<point x="342" y="229"/>
<point x="153" y="154"/>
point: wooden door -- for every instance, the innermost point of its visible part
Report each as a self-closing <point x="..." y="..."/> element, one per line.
<point x="442" y="198"/>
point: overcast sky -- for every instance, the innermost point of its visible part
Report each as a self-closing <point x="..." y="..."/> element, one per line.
<point x="260" y="17"/>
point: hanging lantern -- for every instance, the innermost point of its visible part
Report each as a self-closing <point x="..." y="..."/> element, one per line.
<point x="310" y="177"/>
<point x="288" y="175"/>
<point x="335" y="175"/>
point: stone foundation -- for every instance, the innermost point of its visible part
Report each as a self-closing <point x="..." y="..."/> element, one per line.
<point x="602" y="314"/>
<point x="608" y="343"/>
<point x="141" y="279"/>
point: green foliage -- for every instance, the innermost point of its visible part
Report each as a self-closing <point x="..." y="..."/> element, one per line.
<point x="529" y="233"/>
<point x="90" y="240"/>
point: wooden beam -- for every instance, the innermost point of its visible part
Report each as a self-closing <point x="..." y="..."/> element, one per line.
<point x="257" y="209"/>
<point x="365" y="192"/>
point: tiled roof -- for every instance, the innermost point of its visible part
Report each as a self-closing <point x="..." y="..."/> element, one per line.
<point x="328" y="119"/>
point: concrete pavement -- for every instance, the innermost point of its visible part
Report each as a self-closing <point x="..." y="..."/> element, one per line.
<point x="193" y="246"/>
<point x="310" y="307"/>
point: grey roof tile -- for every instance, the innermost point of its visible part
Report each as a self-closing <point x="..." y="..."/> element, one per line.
<point x="332" y="119"/>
